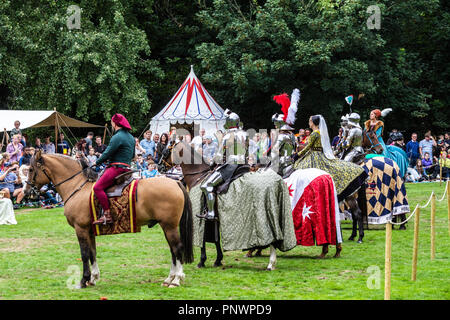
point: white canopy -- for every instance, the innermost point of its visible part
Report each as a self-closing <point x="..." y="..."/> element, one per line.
<point x="37" y="119"/>
<point x="190" y="104"/>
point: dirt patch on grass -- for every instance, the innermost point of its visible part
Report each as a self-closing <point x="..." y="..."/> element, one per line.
<point x="21" y="244"/>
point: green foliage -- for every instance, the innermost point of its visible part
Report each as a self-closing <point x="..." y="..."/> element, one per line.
<point x="90" y="73"/>
<point x="325" y="49"/>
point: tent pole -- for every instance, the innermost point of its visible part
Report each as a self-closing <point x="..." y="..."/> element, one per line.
<point x="104" y="133"/>
<point x="56" y="128"/>
<point x="3" y="139"/>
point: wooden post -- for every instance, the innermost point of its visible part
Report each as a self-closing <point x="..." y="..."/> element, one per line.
<point x="56" y="130"/>
<point x="433" y="220"/>
<point x="104" y="133"/>
<point x="416" y="243"/>
<point x="387" y="262"/>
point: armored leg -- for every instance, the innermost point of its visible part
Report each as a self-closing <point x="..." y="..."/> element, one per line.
<point x="208" y="190"/>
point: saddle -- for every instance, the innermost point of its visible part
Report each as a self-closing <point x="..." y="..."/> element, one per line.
<point x="120" y="183"/>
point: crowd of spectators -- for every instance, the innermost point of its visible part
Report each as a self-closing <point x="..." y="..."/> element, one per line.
<point x="428" y="157"/>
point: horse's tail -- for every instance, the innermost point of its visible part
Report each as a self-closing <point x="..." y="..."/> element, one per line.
<point x="186" y="227"/>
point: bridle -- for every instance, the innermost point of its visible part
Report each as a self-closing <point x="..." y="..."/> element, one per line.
<point x="373" y="146"/>
<point x="167" y="165"/>
<point x="38" y="164"/>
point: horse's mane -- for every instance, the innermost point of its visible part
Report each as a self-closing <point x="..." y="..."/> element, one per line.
<point x="87" y="171"/>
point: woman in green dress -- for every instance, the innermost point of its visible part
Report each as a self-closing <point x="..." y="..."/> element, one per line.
<point x="347" y="176"/>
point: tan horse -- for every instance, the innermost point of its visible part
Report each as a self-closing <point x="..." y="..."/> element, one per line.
<point x="160" y="200"/>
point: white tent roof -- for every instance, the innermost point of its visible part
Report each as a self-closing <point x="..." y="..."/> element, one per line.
<point x="191" y="103"/>
<point x="37" y="119"/>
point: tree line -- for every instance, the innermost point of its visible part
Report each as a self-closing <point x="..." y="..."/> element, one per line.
<point x="130" y="56"/>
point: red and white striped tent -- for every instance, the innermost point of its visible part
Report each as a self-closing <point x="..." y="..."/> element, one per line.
<point x="191" y="104"/>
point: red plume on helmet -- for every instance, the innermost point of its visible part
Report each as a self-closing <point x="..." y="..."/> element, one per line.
<point x="285" y="102"/>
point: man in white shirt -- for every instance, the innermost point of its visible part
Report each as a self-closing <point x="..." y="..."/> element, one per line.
<point x="197" y="142"/>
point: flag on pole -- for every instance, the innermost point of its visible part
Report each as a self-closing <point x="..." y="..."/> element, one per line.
<point x="349" y="99"/>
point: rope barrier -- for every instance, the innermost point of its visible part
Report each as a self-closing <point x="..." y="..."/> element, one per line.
<point x="429" y="200"/>
<point x="424" y="206"/>
<point x="445" y="191"/>
<point x="403" y="222"/>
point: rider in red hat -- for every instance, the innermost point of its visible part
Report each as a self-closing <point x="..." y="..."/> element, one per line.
<point x="119" y="152"/>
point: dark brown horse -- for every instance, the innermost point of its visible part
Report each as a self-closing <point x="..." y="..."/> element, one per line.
<point x="160" y="200"/>
<point x="357" y="202"/>
<point x="194" y="171"/>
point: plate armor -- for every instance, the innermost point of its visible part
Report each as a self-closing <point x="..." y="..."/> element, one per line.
<point x="232" y="153"/>
<point x="353" y="141"/>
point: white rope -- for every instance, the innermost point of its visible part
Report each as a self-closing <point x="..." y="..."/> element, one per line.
<point x="429" y="200"/>
<point x="403" y="222"/>
<point x="445" y="192"/>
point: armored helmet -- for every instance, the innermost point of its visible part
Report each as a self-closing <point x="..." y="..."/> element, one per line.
<point x="353" y="119"/>
<point x="232" y="120"/>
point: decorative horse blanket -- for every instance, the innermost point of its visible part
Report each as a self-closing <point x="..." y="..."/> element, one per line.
<point x="315" y="207"/>
<point x="254" y="212"/>
<point x="385" y="190"/>
<point x="123" y="212"/>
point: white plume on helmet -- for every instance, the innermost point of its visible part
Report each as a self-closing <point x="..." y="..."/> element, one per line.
<point x="295" y="98"/>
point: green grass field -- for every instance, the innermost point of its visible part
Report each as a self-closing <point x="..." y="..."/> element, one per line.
<point x="40" y="255"/>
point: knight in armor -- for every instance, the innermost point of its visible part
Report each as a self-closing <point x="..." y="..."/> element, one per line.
<point x="339" y="150"/>
<point x="285" y="145"/>
<point x="353" y="141"/>
<point x="231" y="157"/>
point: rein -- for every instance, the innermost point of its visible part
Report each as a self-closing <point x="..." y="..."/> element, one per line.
<point x="371" y="142"/>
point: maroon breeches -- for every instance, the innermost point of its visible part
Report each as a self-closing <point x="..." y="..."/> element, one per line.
<point x="105" y="181"/>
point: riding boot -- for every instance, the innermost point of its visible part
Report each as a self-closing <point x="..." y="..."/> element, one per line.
<point x="104" y="219"/>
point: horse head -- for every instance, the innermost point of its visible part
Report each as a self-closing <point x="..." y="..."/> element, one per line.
<point x="38" y="175"/>
<point x="370" y="141"/>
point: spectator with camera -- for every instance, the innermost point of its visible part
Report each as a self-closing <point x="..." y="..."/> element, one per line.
<point x="14" y="149"/>
<point x="10" y="179"/>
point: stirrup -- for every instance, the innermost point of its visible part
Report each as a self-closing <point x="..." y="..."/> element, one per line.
<point x="207" y="217"/>
<point x="103" y="220"/>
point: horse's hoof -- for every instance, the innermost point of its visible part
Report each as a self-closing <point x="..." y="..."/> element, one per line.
<point x="165" y="284"/>
<point x="249" y="255"/>
<point x="337" y="255"/>
<point x="270" y="269"/>
<point x="174" y="285"/>
<point x="218" y="264"/>
<point x="200" y="265"/>
<point x="351" y="238"/>
<point x="360" y="241"/>
<point x="258" y="254"/>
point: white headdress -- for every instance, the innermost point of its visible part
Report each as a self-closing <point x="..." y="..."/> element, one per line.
<point x="325" y="139"/>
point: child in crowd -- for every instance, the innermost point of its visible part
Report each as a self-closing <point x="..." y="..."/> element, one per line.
<point x="152" y="171"/>
<point x="92" y="158"/>
<point x="444" y="163"/>
<point x="427" y="164"/>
